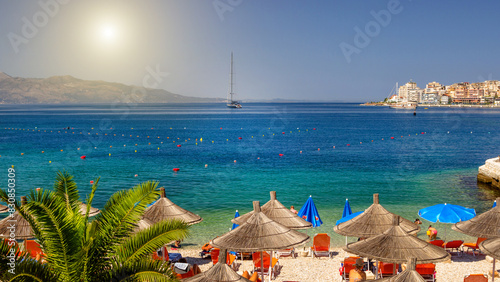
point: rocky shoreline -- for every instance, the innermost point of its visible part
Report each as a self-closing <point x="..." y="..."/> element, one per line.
<point x="489" y="173"/>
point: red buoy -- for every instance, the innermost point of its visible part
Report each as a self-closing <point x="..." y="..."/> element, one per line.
<point x="83" y="157"/>
<point x="240" y="138"/>
<point x="422" y="132"/>
<point x="282" y="132"/>
<point x="179" y="145"/>
<point x="176" y="169"/>
<point x="281" y="155"/>
<point x="392" y="137"/>
<point x="91" y="181"/>
<point x="314" y="128"/>
<point x="348" y="144"/>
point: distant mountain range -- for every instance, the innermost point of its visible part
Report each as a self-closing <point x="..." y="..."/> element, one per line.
<point x="67" y="89"/>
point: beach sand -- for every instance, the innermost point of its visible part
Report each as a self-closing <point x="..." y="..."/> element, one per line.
<point x="326" y="269"/>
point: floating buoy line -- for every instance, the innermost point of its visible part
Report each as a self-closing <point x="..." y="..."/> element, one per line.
<point x="157" y="143"/>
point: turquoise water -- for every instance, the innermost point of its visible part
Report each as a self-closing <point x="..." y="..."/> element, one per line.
<point x="432" y="159"/>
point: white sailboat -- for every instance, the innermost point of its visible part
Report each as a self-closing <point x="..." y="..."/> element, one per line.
<point x="230" y="102"/>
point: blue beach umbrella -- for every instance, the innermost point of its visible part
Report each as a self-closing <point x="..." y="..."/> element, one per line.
<point x="347" y="209"/>
<point x="237" y="214"/>
<point x="309" y="213"/>
<point x="446" y="213"/>
<point x="349" y="217"/>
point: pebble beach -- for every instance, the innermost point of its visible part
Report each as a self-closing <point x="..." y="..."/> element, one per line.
<point x="327" y="269"/>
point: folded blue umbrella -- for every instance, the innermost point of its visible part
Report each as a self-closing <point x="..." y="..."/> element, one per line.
<point x="309" y="213"/>
<point x="447" y="213"/>
<point x="347" y="209"/>
<point x="494" y="204"/>
<point x="237" y="214"/>
<point x="349" y="217"/>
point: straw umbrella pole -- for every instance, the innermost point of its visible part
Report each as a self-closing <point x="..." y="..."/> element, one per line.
<point x="164" y="209"/>
<point x="277" y="212"/>
<point x="259" y="233"/>
<point x="219" y="272"/>
<point x="485" y="225"/>
<point x="397" y="246"/>
<point x="23" y="229"/>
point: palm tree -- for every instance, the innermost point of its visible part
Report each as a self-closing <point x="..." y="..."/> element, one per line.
<point x="101" y="250"/>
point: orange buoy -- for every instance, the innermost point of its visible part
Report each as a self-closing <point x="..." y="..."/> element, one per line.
<point x="176" y="169"/>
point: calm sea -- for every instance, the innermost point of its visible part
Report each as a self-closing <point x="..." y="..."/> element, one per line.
<point x="231" y="157"/>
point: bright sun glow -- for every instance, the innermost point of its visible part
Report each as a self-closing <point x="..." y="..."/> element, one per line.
<point x="108" y="33"/>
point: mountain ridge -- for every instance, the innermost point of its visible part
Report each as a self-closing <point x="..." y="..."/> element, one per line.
<point x="66" y="89"/>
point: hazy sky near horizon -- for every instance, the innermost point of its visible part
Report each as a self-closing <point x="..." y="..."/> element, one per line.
<point x="285" y="49"/>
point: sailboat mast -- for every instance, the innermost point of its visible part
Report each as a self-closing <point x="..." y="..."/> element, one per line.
<point x="231" y="79"/>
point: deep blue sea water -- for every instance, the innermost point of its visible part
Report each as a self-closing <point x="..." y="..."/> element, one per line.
<point x="432" y="159"/>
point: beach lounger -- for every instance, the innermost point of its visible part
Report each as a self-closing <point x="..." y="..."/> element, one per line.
<point x="476" y="278"/>
<point x="473" y="246"/>
<point x="387" y="269"/>
<point x="231" y="259"/>
<point x="273" y="264"/>
<point x="33" y="248"/>
<point x="427" y="271"/>
<point x="162" y="254"/>
<point x="438" y="243"/>
<point x="454" y="245"/>
<point x="286" y="253"/>
<point x="346" y="266"/>
<point x="321" y="245"/>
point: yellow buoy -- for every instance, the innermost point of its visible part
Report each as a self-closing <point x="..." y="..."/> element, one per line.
<point x="109" y="154"/>
<point x="136" y="151"/>
<point x="201" y="139"/>
<point x="50" y="162"/>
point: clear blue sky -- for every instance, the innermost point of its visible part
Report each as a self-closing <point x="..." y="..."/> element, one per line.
<point x="283" y="49"/>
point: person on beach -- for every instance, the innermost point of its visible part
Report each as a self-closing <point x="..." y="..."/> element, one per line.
<point x="432" y="233"/>
<point x="417" y="221"/>
<point x="357" y="274"/>
<point x="292" y="209"/>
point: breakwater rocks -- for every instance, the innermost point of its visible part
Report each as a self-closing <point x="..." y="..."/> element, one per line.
<point x="490" y="172"/>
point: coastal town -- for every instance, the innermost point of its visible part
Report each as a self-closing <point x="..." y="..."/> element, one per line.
<point x="436" y="94"/>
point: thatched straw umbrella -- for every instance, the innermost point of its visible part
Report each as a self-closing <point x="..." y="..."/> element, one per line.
<point x="485" y="225"/>
<point x="142" y="224"/>
<point x="92" y="212"/>
<point x="409" y="275"/>
<point x="219" y="272"/>
<point x="373" y="221"/>
<point x="277" y="212"/>
<point x="397" y="246"/>
<point x="259" y="233"/>
<point x="164" y="209"/>
<point x="3" y="208"/>
<point x="23" y="229"/>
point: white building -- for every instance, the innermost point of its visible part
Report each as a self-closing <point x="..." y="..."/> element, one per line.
<point x="404" y="90"/>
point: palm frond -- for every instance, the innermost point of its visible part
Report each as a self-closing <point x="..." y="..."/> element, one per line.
<point x="66" y="188"/>
<point x="59" y="228"/>
<point x="31" y="270"/>
<point x="124" y="209"/>
<point x="146" y="241"/>
<point x="142" y="270"/>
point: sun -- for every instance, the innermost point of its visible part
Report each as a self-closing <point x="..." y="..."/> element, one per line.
<point x="108" y="33"/>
